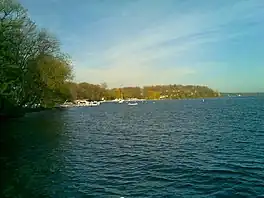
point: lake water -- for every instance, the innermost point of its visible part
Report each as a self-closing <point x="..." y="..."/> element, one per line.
<point x="181" y="148"/>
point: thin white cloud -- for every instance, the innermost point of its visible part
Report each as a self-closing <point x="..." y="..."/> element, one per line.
<point x="133" y="75"/>
<point x="132" y="60"/>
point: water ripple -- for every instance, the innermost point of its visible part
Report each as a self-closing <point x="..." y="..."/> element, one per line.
<point x="180" y="148"/>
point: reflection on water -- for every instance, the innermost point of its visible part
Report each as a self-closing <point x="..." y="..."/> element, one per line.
<point x="30" y="154"/>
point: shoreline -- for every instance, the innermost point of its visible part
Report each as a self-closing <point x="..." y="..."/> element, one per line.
<point x="17" y="112"/>
<point x="21" y="112"/>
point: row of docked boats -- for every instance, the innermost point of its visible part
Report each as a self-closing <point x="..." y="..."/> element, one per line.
<point x="81" y="103"/>
<point x="87" y="103"/>
<point x="130" y="101"/>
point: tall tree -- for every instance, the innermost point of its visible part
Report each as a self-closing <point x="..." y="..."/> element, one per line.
<point x="32" y="67"/>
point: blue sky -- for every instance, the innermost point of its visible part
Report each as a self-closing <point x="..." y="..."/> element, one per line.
<point x="144" y="42"/>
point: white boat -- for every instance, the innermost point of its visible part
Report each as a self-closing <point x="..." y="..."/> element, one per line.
<point x="85" y="103"/>
<point x="94" y="103"/>
<point x="66" y="104"/>
<point x="133" y="104"/>
<point x="120" y="101"/>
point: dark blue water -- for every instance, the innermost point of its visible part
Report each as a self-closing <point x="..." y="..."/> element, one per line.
<point x="184" y="148"/>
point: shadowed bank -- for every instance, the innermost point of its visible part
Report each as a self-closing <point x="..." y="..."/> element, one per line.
<point x="29" y="154"/>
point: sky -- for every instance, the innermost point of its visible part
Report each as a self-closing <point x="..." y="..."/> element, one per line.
<point x="219" y="44"/>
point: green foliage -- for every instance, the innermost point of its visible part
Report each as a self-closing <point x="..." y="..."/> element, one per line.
<point x="178" y="92"/>
<point x="131" y="92"/>
<point x="97" y="92"/>
<point x="33" y="70"/>
<point x="87" y="91"/>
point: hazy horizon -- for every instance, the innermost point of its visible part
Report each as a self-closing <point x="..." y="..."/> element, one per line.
<point x="219" y="44"/>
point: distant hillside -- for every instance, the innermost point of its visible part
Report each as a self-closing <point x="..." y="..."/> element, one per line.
<point x="97" y="92"/>
<point x="178" y="92"/>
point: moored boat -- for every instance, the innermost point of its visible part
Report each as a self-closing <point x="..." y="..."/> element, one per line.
<point x="133" y="104"/>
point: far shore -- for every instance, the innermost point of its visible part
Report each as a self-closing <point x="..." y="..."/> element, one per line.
<point x="20" y="112"/>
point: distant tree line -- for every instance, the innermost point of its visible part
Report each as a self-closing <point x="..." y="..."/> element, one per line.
<point x="178" y="92"/>
<point x="98" y="92"/>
